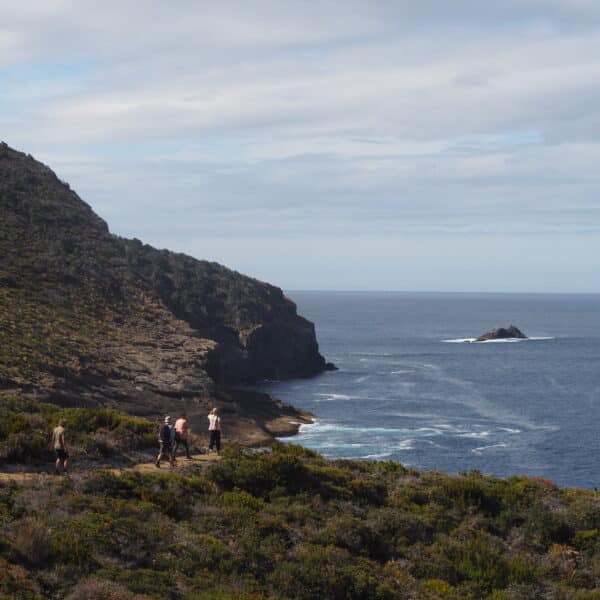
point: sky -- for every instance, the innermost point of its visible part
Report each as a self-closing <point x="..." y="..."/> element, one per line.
<point x="330" y="145"/>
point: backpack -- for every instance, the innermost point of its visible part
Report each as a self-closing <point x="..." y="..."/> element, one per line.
<point x="164" y="433"/>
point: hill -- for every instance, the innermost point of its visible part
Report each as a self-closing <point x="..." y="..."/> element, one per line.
<point x="91" y="319"/>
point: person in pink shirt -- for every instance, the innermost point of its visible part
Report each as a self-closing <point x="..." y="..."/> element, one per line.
<point x="182" y="434"/>
<point x="214" y="430"/>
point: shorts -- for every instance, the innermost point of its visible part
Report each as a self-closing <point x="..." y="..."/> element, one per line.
<point x="61" y="454"/>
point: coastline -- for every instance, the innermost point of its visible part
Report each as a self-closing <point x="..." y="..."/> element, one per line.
<point x="258" y="418"/>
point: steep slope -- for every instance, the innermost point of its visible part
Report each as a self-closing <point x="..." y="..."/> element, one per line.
<point x="88" y="318"/>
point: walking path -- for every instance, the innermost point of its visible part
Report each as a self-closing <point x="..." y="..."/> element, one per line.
<point x="198" y="461"/>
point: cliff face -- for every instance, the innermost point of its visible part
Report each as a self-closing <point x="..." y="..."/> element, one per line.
<point x="259" y="332"/>
<point x="88" y="317"/>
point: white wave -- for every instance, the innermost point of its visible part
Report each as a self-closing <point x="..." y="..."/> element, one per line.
<point x="402" y="372"/>
<point x="500" y="341"/>
<point x="374" y="354"/>
<point x="375" y="456"/>
<point x="475" y="434"/>
<point x="480" y="449"/>
<point x="509" y="430"/>
<point x="337" y="397"/>
<point x="305" y="427"/>
<point x="336" y="445"/>
<point x="405" y="445"/>
<point x="321" y="428"/>
<point x="361" y="379"/>
<point x="418" y="415"/>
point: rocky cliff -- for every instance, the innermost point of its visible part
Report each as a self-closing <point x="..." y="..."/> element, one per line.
<point x="89" y="318"/>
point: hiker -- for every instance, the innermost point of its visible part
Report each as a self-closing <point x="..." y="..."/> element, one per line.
<point x="182" y="433"/>
<point x="166" y="437"/>
<point x="60" y="447"/>
<point x="214" y="430"/>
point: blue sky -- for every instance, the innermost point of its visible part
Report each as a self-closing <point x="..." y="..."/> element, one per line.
<point x="325" y="145"/>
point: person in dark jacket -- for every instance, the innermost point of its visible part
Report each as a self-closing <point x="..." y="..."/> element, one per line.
<point x="166" y="438"/>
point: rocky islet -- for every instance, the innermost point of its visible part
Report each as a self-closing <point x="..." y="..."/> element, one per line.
<point x="502" y="333"/>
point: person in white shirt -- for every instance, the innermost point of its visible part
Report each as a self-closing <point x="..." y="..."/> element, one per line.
<point x="214" y="430"/>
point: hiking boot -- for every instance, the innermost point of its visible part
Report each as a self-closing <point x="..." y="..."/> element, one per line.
<point x="157" y="464"/>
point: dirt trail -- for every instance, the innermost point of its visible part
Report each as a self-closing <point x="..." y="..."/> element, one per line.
<point x="199" y="461"/>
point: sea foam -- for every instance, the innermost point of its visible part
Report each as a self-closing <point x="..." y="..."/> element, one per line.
<point x="500" y="341"/>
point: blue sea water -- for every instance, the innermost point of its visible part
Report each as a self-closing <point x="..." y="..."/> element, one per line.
<point x="408" y="390"/>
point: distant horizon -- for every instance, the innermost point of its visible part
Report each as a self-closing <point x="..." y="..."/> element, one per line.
<point x="437" y="292"/>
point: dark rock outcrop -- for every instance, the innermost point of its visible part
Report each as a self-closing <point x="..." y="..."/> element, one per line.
<point x="87" y="317"/>
<point x="502" y="333"/>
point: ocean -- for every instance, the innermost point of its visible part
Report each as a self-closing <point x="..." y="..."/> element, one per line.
<point x="409" y="389"/>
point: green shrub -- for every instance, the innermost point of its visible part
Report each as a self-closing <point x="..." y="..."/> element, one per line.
<point x="242" y="500"/>
<point x="171" y="493"/>
<point x="356" y="536"/>
<point x="465" y="492"/>
<point x="587" y="541"/>
<point x="31" y="540"/>
<point x="16" y="583"/>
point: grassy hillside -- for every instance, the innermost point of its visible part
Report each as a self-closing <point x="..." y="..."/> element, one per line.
<point x="285" y="523"/>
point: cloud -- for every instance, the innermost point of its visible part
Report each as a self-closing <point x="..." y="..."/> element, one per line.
<point x="231" y="120"/>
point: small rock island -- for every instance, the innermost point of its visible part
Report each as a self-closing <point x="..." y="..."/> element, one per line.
<point x="502" y="333"/>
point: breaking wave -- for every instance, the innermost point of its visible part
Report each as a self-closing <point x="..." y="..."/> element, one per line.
<point x="501" y="341"/>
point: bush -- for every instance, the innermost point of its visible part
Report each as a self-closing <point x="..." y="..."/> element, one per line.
<point x="171" y="493"/>
<point x="31" y="540"/>
<point x="468" y="491"/>
<point x="15" y="583"/>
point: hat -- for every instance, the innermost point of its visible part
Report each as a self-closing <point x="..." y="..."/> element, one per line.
<point x="167" y="419"/>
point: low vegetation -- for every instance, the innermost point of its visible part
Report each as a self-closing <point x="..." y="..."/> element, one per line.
<point x="93" y="433"/>
<point x="286" y="523"/>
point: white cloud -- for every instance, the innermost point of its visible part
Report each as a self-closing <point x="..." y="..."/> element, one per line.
<point x="298" y="119"/>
